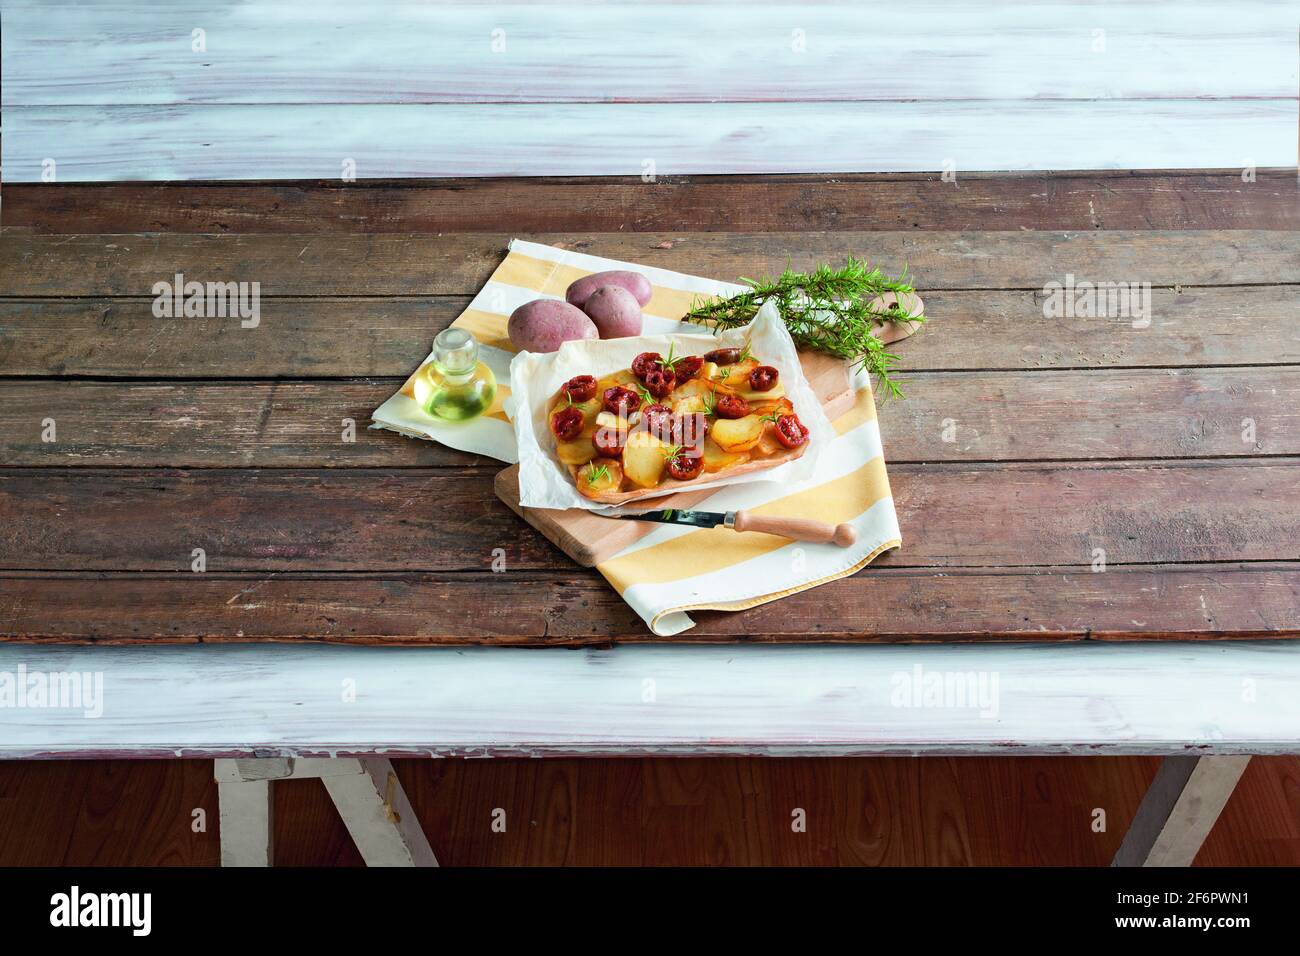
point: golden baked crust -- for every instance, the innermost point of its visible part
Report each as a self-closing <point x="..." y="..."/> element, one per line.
<point x="732" y="446"/>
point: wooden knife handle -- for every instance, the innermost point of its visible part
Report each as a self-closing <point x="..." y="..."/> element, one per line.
<point x="797" y="529"/>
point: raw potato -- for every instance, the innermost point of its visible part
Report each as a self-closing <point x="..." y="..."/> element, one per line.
<point x="634" y="282"/>
<point x="737" y="434"/>
<point x="576" y="452"/>
<point x="615" y="311"/>
<point x="715" y="459"/>
<point x="611" y="482"/>
<point x="643" y="459"/>
<point x="543" y="325"/>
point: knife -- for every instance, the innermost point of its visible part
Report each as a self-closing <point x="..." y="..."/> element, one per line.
<point x="797" y="529"/>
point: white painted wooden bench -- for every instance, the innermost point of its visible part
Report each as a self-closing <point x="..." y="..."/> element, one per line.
<point x="192" y="89"/>
<point x="268" y="712"/>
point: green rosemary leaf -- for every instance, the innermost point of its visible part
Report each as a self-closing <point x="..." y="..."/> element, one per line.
<point x="828" y="309"/>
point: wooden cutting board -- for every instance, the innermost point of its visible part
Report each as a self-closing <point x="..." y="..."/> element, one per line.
<point x="589" y="538"/>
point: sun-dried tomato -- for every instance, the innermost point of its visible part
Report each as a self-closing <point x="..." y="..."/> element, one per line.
<point x="645" y="362"/>
<point x="763" y="378"/>
<point x="580" y="387"/>
<point x="659" y="382"/>
<point x="731" y="406"/>
<point x="791" y="432"/>
<point x="621" y="401"/>
<point x="609" y="441"/>
<point x="658" y="420"/>
<point x="567" y="423"/>
<point x="684" y="466"/>
<point x="723" y="356"/>
<point x="687" y="367"/>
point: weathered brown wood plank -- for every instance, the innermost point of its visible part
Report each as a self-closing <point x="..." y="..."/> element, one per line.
<point x="418" y="520"/>
<point x="277" y="424"/>
<point x="360" y="336"/>
<point x="876" y="605"/>
<point x="1127" y="200"/>
<point x="300" y="337"/>
<point x="458" y="264"/>
<point x="947" y="416"/>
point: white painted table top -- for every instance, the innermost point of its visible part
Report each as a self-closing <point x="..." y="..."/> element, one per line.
<point x="273" y="700"/>
<point x="195" y="89"/>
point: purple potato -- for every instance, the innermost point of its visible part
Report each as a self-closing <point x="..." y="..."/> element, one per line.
<point x="615" y="312"/>
<point x="544" y="324"/>
<point x="578" y="293"/>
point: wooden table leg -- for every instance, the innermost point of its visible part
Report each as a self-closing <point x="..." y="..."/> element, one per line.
<point x="244" y="807"/>
<point x="1179" y="809"/>
<point x="366" y="791"/>
<point x="378" y="814"/>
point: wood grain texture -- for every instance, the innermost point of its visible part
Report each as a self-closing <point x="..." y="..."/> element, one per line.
<point x="459" y="264"/>
<point x="1004" y="811"/>
<point x="366" y="336"/>
<point x="828" y="700"/>
<point x="125" y="53"/>
<point x="886" y="604"/>
<point x="267" y="90"/>
<point x="947" y="416"/>
<point x="955" y="515"/>
<point x="330" y="313"/>
<point x="319" y="141"/>
<point x="1130" y="199"/>
<point x="310" y="337"/>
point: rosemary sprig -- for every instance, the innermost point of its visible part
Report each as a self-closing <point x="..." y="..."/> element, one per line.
<point x="671" y="363"/>
<point x="827" y="309"/>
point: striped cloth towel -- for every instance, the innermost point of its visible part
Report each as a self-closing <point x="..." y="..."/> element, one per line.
<point x="676" y="569"/>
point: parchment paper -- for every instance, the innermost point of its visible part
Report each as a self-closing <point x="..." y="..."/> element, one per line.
<point x="544" y="482"/>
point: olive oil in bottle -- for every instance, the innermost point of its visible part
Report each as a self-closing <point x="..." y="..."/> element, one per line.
<point x="454" y="386"/>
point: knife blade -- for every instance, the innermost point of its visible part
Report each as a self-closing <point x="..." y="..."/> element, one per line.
<point x="797" y="529"/>
<point x="698" y="519"/>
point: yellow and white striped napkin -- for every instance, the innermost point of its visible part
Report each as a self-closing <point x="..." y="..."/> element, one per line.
<point x="676" y="569"/>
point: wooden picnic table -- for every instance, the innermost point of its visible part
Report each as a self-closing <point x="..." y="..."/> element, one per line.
<point x="1056" y="478"/>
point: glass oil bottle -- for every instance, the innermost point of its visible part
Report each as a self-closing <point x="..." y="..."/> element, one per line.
<point x="454" y="386"/>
